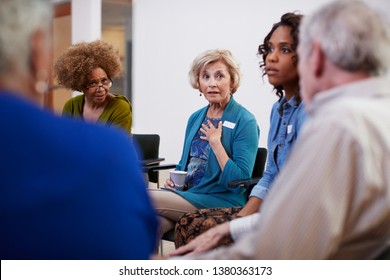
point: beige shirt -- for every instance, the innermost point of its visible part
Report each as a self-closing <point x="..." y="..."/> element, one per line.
<point x="332" y="199"/>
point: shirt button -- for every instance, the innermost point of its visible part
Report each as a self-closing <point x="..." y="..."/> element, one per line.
<point x="284" y="122"/>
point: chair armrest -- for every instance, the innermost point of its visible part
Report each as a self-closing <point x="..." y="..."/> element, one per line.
<point x="155" y="168"/>
<point x="385" y="255"/>
<point x="245" y="183"/>
<point x="152" y="161"/>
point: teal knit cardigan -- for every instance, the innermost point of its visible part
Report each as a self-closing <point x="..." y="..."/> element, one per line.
<point x="240" y="138"/>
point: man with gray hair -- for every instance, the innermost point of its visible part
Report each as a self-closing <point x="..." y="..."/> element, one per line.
<point x="332" y="200"/>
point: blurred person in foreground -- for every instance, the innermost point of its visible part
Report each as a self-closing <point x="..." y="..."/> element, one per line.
<point x="331" y="200"/>
<point x="53" y="204"/>
<point x="89" y="67"/>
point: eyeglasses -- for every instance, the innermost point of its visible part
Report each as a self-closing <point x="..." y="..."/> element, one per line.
<point x="96" y="84"/>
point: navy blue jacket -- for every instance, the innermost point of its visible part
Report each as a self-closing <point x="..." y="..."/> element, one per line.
<point x="68" y="189"/>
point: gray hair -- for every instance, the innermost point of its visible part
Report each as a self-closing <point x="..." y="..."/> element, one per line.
<point x="18" y="20"/>
<point x="351" y="35"/>
<point x="212" y="56"/>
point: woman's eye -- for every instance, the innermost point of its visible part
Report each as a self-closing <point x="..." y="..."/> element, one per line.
<point x="286" y="50"/>
<point x="205" y="77"/>
<point x="92" y="84"/>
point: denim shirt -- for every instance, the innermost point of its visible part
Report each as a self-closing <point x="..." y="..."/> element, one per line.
<point x="287" y="118"/>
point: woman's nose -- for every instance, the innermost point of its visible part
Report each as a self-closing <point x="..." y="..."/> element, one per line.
<point x="212" y="83"/>
<point x="272" y="56"/>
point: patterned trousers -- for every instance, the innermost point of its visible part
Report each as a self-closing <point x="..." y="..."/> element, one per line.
<point x="192" y="224"/>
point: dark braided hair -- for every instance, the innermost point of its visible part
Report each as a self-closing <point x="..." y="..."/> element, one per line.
<point x="291" y="20"/>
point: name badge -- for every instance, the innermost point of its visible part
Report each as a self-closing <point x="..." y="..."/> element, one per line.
<point x="289" y="128"/>
<point x="228" y="124"/>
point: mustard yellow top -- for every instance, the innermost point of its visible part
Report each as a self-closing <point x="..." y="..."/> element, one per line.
<point x="117" y="112"/>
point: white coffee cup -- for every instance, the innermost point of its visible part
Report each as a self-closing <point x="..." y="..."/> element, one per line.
<point x="178" y="178"/>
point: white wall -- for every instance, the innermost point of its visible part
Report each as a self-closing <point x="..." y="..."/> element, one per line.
<point x="86" y="20"/>
<point x="168" y="34"/>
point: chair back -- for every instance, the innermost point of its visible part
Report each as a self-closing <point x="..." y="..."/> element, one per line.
<point x="261" y="158"/>
<point x="149" y="145"/>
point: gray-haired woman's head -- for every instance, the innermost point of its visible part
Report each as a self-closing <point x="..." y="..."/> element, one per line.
<point x="351" y="35"/>
<point x="212" y="56"/>
<point x="18" y="20"/>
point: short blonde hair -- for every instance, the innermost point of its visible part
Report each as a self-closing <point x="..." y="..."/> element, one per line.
<point x="212" y="56"/>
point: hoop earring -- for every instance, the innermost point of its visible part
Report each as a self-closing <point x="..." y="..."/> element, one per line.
<point x="41" y="86"/>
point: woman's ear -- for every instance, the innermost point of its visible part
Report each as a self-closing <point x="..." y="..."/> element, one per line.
<point x="40" y="59"/>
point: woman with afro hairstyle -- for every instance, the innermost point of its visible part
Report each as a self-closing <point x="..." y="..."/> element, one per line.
<point x="89" y="67"/>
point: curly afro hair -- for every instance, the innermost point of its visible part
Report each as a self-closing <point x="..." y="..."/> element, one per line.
<point x="74" y="66"/>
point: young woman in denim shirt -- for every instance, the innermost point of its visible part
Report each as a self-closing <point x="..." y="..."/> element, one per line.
<point x="279" y="64"/>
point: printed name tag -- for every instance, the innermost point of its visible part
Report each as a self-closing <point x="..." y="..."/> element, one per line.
<point x="289" y="128"/>
<point x="228" y="124"/>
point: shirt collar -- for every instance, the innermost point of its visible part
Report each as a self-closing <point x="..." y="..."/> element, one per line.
<point x="284" y="104"/>
<point x="365" y="88"/>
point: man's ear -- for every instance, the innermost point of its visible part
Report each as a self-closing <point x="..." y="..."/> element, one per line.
<point x="318" y="59"/>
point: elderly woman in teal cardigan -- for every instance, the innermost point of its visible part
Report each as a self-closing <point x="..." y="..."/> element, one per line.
<point x="220" y="144"/>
